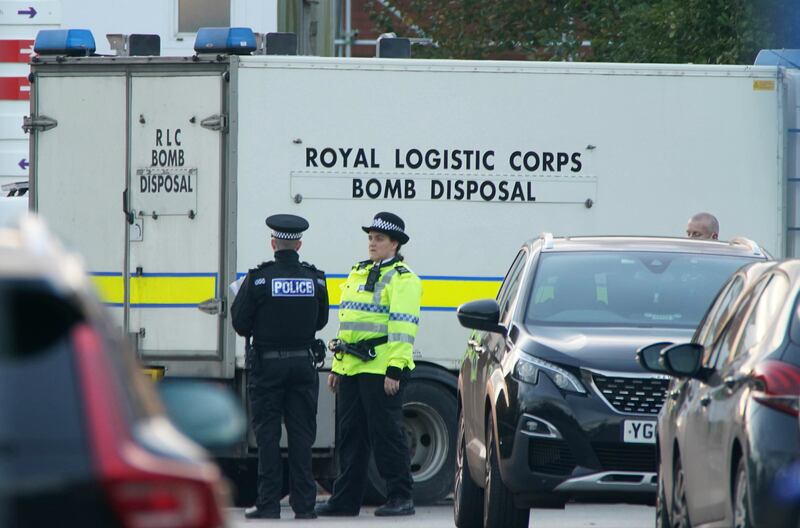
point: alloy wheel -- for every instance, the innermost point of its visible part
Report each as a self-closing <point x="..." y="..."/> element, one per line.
<point x="680" y="510"/>
<point x="740" y="508"/>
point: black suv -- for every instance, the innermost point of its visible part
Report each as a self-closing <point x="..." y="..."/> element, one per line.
<point x="552" y="402"/>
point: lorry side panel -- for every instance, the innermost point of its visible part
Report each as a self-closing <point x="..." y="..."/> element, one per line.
<point x="644" y="147"/>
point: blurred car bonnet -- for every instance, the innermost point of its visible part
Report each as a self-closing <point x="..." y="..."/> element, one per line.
<point x="84" y="439"/>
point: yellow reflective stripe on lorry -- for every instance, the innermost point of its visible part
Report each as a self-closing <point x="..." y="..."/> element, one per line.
<point x="188" y="289"/>
<point x="438" y="292"/>
<point x="158" y="289"/>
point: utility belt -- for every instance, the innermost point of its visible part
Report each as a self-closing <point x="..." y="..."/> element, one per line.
<point x="253" y="356"/>
<point x="363" y="350"/>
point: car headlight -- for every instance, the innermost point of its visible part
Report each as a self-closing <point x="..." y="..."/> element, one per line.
<point x="527" y="369"/>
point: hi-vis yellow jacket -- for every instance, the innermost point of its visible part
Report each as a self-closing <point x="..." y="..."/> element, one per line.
<point x="391" y="310"/>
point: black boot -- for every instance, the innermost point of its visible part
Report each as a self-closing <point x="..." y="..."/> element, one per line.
<point x="326" y="510"/>
<point x="256" y="513"/>
<point x="395" y="507"/>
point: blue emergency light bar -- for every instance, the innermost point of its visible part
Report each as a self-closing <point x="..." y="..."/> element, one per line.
<point x="72" y="42"/>
<point x="233" y="41"/>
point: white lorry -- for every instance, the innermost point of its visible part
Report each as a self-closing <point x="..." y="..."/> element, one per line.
<point x="160" y="171"/>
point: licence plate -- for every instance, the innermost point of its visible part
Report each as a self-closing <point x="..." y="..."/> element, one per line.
<point x="639" y="432"/>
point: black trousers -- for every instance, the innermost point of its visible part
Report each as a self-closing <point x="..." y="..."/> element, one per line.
<point x="370" y="419"/>
<point x="287" y="388"/>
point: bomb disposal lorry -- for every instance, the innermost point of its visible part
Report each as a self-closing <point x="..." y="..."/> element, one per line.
<point x="161" y="170"/>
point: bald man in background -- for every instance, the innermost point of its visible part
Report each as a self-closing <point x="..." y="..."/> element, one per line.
<point x="703" y="226"/>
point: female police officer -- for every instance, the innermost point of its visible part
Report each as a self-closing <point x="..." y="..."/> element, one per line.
<point x="378" y="320"/>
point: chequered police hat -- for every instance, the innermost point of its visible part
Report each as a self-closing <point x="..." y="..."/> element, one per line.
<point x="287" y="226"/>
<point x="389" y="224"/>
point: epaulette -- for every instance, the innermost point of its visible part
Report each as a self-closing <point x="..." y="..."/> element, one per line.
<point x="308" y="265"/>
<point x="363" y="264"/>
<point x="402" y="269"/>
<point x="264" y="265"/>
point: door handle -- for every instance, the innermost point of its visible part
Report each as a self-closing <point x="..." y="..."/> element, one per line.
<point x="705" y="400"/>
<point x="129" y="217"/>
<point x="211" y="306"/>
<point x="476" y="346"/>
<point x="731" y="381"/>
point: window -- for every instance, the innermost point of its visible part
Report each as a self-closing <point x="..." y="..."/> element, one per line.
<point x="194" y="14"/>
<point x="507" y="291"/>
<point x="718" y="315"/>
<point x="724" y="343"/>
<point x="764" y="314"/>
<point x="622" y="288"/>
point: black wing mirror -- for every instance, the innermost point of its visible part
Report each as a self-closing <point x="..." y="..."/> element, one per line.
<point x="684" y="361"/>
<point x="481" y="315"/>
<point x="649" y="357"/>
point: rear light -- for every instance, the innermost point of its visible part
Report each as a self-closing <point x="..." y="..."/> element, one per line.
<point x="164" y="503"/>
<point x="145" y="490"/>
<point x="778" y="386"/>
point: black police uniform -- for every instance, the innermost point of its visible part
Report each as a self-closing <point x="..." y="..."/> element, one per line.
<point x="280" y="305"/>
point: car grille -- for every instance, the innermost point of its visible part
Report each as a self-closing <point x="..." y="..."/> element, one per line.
<point x="626" y="457"/>
<point x="550" y="456"/>
<point x="632" y="395"/>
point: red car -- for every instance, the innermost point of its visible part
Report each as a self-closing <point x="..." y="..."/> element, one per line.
<point x="84" y="439"/>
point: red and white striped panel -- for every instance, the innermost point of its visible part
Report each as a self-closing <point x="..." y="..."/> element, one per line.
<point x="15" y="89"/>
<point x="16" y="50"/>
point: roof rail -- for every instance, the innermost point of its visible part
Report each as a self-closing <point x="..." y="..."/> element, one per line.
<point x="547" y="237"/>
<point x="742" y="241"/>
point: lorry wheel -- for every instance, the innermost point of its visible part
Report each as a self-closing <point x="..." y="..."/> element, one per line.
<point x="244" y="480"/>
<point x="429" y="416"/>
<point x="326" y="484"/>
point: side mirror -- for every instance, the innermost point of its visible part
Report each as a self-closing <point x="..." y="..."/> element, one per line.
<point x="206" y="413"/>
<point x="648" y="357"/>
<point x="481" y="315"/>
<point x="684" y="360"/>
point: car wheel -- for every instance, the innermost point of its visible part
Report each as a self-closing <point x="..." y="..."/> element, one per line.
<point x="498" y="503"/>
<point x="662" y="515"/>
<point x="467" y="496"/>
<point x="680" y="509"/>
<point x="741" y="497"/>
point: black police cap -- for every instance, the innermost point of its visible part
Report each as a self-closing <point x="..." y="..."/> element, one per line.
<point x="287" y="226"/>
<point x="388" y="224"/>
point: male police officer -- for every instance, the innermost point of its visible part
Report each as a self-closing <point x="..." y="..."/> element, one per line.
<point x="280" y="305"/>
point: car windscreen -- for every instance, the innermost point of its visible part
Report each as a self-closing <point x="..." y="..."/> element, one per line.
<point x="614" y="288"/>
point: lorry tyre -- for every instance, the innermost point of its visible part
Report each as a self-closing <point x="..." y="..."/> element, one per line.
<point x="498" y="504"/>
<point x="244" y="477"/>
<point x="326" y="484"/>
<point x="429" y="417"/>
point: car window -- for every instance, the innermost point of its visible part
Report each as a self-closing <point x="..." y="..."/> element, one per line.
<point x="648" y="289"/>
<point x="726" y="338"/>
<point x="718" y="313"/>
<point x="762" y="317"/>
<point x="510" y="284"/>
<point x="42" y="427"/>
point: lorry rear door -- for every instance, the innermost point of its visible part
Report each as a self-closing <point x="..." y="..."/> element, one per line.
<point x="78" y="127"/>
<point x="175" y="200"/>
